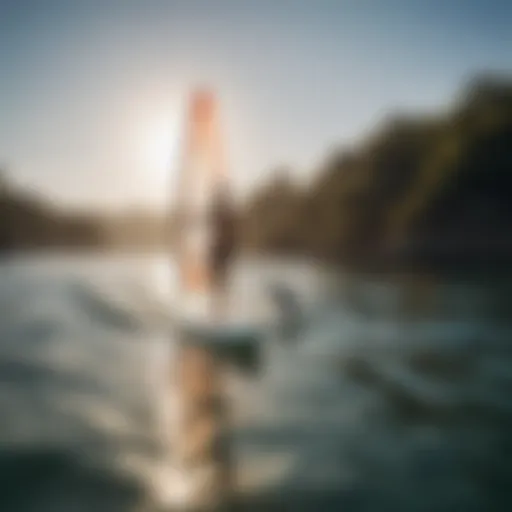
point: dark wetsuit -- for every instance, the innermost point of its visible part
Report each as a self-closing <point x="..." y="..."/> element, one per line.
<point x="223" y="241"/>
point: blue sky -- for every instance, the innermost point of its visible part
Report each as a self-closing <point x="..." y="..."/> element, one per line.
<point x="91" y="91"/>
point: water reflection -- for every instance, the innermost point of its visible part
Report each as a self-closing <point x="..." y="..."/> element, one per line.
<point x="395" y="396"/>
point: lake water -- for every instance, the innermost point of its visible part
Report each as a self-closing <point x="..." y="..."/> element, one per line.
<point x="396" y="395"/>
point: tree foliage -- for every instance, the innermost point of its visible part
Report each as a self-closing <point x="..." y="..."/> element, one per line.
<point x="433" y="189"/>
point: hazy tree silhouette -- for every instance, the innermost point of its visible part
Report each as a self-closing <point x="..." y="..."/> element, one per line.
<point x="433" y="190"/>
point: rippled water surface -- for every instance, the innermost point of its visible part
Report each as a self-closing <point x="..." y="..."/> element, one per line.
<point x="396" y="396"/>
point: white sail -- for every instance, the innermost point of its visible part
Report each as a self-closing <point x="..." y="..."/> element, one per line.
<point x="201" y="175"/>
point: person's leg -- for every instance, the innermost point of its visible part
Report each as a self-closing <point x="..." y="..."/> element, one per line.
<point x="220" y="295"/>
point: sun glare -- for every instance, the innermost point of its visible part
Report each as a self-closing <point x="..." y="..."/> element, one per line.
<point x="158" y="144"/>
<point x="161" y="147"/>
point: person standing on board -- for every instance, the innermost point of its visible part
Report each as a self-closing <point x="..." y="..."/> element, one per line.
<point x="223" y="245"/>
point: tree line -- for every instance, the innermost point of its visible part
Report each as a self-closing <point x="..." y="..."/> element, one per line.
<point x="420" y="190"/>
